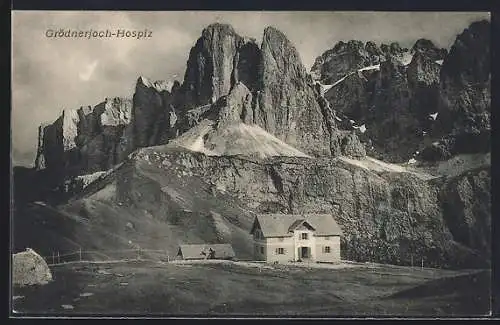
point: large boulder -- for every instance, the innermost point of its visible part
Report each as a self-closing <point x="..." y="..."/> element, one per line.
<point x="29" y="268"/>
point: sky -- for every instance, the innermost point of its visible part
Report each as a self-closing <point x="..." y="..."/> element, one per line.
<point x="51" y="74"/>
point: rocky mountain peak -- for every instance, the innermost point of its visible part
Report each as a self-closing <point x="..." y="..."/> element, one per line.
<point x="278" y="49"/>
<point x="274" y="35"/>
<point x="465" y="85"/>
<point x="347" y="57"/>
<point x="427" y="47"/>
<point x="469" y="56"/>
<point x="214" y="29"/>
<point x="210" y="67"/>
<point x="159" y="85"/>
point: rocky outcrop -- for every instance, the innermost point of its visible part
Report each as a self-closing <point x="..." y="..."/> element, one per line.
<point x="219" y="59"/>
<point x="466" y="202"/>
<point x="40" y="153"/>
<point x="84" y="140"/>
<point x="153" y="114"/>
<point x="347" y="57"/>
<point x="92" y="139"/>
<point x="286" y="105"/>
<point x="238" y="106"/>
<point x="351" y="146"/>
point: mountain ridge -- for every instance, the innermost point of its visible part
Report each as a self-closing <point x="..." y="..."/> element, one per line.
<point x="262" y="135"/>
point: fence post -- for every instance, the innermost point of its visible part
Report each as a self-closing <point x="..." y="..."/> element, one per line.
<point x="53" y="261"/>
<point x="422" y="262"/>
<point x="58" y="258"/>
<point x="138" y="253"/>
<point x="412" y="261"/>
<point x="80" y="253"/>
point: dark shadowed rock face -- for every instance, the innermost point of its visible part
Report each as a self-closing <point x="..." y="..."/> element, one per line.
<point x="427" y="48"/>
<point x="382" y="100"/>
<point x="464" y="105"/>
<point x="247" y="61"/>
<point x="465" y="80"/>
<point x="406" y="107"/>
<point x="152" y="112"/>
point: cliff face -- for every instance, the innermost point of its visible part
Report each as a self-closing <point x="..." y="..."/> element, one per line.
<point x="152" y="113"/>
<point x="209" y="73"/>
<point x="286" y="103"/>
<point x="431" y="107"/>
<point x="392" y="101"/>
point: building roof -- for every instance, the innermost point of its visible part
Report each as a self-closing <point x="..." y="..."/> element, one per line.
<point x="282" y="225"/>
<point x="196" y="250"/>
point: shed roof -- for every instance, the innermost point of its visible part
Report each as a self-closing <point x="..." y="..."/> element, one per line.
<point x="196" y="250"/>
<point x="280" y="225"/>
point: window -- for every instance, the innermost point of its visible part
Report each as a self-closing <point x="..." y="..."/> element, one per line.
<point x="303" y="236"/>
<point x="257" y="234"/>
<point x="326" y="249"/>
<point x="280" y="251"/>
<point x="262" y="249"/>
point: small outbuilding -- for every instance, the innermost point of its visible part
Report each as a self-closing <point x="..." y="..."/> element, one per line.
<point x="206" y="251"/>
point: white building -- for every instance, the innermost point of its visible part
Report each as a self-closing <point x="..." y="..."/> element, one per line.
<point x="305" y="237"/>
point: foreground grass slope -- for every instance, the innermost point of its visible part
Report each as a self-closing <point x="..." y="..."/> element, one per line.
<point x="236" y="289"/>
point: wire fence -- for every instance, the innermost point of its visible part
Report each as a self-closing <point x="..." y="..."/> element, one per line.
<point x="80" y="255"/>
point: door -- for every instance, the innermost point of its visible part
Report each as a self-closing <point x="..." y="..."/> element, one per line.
<point x="304" y="252"/>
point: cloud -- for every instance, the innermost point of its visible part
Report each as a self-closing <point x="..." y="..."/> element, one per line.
<point x="89" y="70"/>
